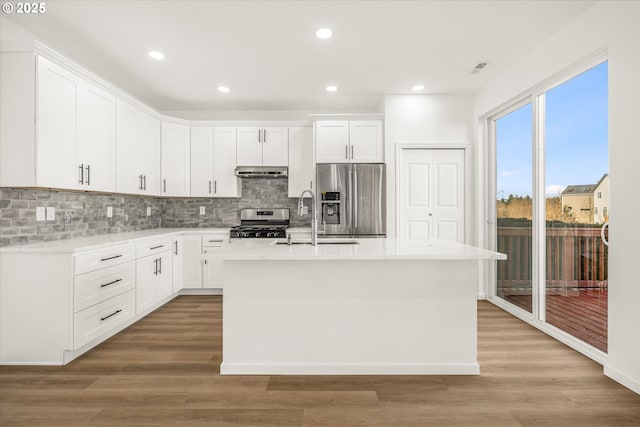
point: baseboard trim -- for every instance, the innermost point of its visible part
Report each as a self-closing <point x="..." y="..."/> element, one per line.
<point x="198" y="291"/>
<point x="227" y="368"/>
<point x="624" y="379"/>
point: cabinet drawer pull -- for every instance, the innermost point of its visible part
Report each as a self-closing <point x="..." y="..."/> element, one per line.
<point x="215" y="241"/>
<point x="111" y="257"/>
<point x="102" y="319"/>
<point x="110" y="283"/>
<point x="156" y="247"/>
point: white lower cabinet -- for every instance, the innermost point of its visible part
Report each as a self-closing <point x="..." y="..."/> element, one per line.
<point x="192" y="261"/>
<point x="76" y="299"/>
<point x="153" y="280"/>
<point x="99" y="319"/>
<point x="176" y="248"/>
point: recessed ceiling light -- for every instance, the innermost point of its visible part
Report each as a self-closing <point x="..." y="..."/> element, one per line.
<point x="156" y="55"/>
<point x="223" y="89"/>
<point x="332" y="88"/>
<point x="417" y="88"/>
<point x="324" y="33"/>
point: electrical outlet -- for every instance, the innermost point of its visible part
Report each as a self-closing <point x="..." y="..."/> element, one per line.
<point x="40" y="213"/>
<point x="109" y="211"/>
<point x="201" y="210"/>
<point x="51" y="213"/>
<point x="305" y="210"/>
<point x="148" y="210"/>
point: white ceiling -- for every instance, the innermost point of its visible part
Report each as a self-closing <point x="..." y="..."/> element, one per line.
<point x="267" y="52"/>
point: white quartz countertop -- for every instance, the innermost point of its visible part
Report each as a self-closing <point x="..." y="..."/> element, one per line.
<point x="105" y="240"/>
<point x="365" y="249"/>
<point x="268" y="249"/>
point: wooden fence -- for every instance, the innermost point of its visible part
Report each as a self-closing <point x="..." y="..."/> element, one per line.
<point x="576" y="258"/>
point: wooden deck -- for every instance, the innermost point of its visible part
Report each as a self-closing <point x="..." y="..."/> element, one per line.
<point x="582" y="313"/>
<point x="163" y="371"/>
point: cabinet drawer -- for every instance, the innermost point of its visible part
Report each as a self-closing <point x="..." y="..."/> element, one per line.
<point x="155" y="246"/>
<point x="97" y="286"/>
<point x="102" y="258"/>
<point x="95" y="321"/>
<point x="215" y="239"/>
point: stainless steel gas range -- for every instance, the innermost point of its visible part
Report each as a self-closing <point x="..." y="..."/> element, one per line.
<point x="261" y="223"/>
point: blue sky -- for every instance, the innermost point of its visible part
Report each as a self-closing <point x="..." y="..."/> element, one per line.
<point x="576" y="137"/>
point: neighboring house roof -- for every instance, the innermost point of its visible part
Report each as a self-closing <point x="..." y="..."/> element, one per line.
<point x="583" y="189"/>
<point x="579" y="189"/>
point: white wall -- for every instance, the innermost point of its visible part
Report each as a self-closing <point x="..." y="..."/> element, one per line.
<point x="434" y="119"/>
<point x="614" y="25"/>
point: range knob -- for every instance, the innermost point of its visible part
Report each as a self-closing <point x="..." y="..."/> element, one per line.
<point x="258" y="233"/>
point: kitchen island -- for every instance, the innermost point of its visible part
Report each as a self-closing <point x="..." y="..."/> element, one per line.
<point x="381" y="306"/>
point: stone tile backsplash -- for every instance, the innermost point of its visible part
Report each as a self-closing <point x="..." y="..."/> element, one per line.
<point x="82" y="214"/>
<point x="78" y="214"/>
<point x="225" y="212"/>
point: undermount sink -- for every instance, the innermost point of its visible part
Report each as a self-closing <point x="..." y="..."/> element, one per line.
<point x="321" y="242"/>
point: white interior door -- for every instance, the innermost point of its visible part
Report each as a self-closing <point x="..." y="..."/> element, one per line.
<point x="431" y="195"/>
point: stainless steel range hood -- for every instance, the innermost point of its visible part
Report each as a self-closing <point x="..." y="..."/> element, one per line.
<point x="262" y="171"/>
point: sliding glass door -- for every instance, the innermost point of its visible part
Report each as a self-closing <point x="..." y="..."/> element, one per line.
<point x="577" y="206"/>
<point x="514" y="208"/>
<point x="552" y="205"/>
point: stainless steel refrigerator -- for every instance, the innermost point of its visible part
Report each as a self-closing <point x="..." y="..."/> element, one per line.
<point x="352" y="199"/>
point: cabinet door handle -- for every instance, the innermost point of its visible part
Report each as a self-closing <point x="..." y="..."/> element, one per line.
<point x="176" y="247"/>
<point x="264" y="135"/>
<point x="346" y="152"/>
<point x="104" y="285"/>
<point x="102" y="319"/>
<point x="156" y="247"/>
<point x="352" y="152"/>
<point x="155" y="267"/>
<point x="159" y="265"/>
<point x="259" y="135"/>
<point x="140" y="178"/>
<point x="205" y="262"/>
<point x="215" y="187"/>
<point x="310" y="185"/>
<point x="164" y="182"/>
<point x="111" y="257"/>
<point x="81" y="173"/>
<point x="88" y="174"/>
<point x="144" y="179"/>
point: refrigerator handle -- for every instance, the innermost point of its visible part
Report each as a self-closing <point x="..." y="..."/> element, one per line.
<point x="355" y="201"/>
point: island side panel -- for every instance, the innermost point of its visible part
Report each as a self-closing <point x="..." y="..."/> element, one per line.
<point x="350" y="317"/>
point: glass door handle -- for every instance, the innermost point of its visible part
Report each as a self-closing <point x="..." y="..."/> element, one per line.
<point x="602" y="236"/>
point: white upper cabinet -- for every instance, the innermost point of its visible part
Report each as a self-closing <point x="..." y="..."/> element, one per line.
<point x="225" y="181"/>
<point x="149" y="153"/>
<point x="96" y="138"/>
<point x="349" y="141"/>
<point x="202" y="161"/>
<point x="138" y="151"/>
<point x="365" y="138"/>
<point x="275" y="146"/>
<point x="259" y="146"/>
<point x="332" y="141"/>
<point x="56" y="94"/>
<point x="176" y="160"/>
<point x="301" y="165"/>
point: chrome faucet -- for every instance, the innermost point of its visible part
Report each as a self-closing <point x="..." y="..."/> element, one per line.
<point x="314" y="219"/>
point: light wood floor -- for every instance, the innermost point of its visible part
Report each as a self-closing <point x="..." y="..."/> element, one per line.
<point x="164" y="371"/>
